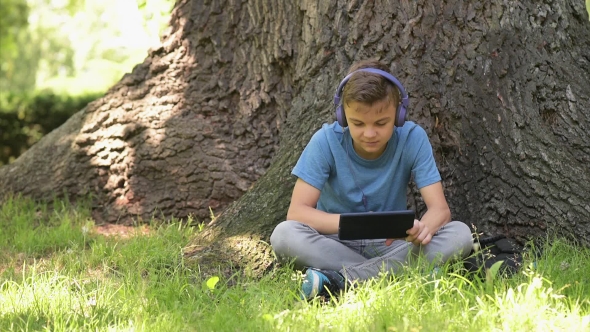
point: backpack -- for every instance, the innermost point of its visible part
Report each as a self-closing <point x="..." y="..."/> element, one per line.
<point x="491" y="250"/>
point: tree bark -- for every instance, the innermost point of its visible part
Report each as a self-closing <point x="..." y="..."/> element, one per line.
<point x="221" y="111"/>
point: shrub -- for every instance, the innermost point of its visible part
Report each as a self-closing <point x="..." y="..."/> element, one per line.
<point x="25" y="118"/>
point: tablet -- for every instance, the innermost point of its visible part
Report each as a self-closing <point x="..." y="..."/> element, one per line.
<point x="375" y="225"/>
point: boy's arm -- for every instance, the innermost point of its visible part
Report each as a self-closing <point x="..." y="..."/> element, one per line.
<point x="303" y="209"/>
<point x="437" y="215"/>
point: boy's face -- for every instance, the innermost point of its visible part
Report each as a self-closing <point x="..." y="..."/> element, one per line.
<point x="370" y="126"/>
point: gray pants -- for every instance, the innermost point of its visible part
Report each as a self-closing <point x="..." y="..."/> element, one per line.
<point x="364" y="259"/>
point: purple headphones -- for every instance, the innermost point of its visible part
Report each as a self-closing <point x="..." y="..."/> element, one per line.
<point x="400" y="117"/>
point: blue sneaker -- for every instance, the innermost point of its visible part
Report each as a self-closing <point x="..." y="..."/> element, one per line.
<point x="321" y="283"/>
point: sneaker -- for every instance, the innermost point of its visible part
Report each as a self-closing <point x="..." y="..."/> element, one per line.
<point x="321" y="283"/>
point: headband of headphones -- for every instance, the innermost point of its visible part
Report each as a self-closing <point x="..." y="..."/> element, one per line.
<point x="401" y="111"/>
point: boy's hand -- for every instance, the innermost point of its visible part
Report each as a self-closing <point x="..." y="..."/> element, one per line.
<point x="419" y="234"/>
<point x="388" y="242"/>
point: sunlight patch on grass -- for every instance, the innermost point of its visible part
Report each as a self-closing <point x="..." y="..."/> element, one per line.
<point x="50" y="299"/>
<point x="449" y="303"/>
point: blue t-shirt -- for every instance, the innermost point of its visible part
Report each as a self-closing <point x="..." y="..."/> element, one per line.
<point x="330" y="164"/>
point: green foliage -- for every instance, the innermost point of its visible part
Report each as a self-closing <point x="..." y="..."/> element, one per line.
<point x="13" y="32"/>
<point x="75" y="46"/>
<point x="86" y="282"/>
<point x="25" y="118"/>
<point x="14" y="16"/>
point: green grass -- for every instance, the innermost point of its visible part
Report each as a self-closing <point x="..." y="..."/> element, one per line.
<point x="56" y="274"/>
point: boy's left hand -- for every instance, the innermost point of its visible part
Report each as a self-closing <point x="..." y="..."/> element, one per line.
<point x="419" y="234"/>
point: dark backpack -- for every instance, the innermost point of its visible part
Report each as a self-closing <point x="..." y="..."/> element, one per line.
<point x="492" y="250"/>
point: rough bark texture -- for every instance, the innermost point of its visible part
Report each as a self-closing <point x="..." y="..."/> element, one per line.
<point x="500" y="86"/>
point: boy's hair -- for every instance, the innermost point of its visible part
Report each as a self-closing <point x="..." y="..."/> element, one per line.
<point x="368" y="88"/>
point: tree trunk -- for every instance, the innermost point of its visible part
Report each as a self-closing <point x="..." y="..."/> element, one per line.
<point x="500" y="86"/>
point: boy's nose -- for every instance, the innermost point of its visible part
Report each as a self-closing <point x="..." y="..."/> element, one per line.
<point x="369" y="132"/>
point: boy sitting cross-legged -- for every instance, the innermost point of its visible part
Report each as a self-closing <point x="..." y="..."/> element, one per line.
<point x="362" y="163"/>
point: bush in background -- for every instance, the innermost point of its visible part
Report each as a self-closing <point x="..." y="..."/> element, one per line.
<point x="25" y="118"/>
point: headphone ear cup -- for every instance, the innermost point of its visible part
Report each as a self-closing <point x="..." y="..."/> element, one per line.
<point x="400" y="118"/>
<point x="340" y="117"/>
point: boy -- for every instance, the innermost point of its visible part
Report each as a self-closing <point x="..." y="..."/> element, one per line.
<point x="363" y="162"/>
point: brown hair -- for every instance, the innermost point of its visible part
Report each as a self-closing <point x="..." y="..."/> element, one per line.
<point x="368" y="88"/>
